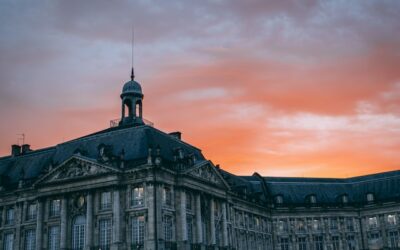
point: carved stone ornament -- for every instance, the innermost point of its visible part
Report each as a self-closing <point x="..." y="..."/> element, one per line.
<point x="77" y="204"/>
<point x="80" y="201"/>
<point x="207" y="173"/>
<point x="76" y="169"/>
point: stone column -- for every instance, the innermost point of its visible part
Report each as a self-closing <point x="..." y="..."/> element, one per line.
<point x="224" y="225"/>
<point x="39" y="225"/>
<point x="212" y="221"/>
<point x="89" y="221"/>
<point x="199" y="226"/>
<point x="117" y="220"/>
<point x="63" y="222"/>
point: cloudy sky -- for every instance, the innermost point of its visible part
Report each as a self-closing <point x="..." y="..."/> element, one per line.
<point x="283" y="88"/>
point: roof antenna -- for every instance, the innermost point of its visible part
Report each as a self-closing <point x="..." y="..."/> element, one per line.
<point x="132" y="72"/>
<point x="21" y="138"/>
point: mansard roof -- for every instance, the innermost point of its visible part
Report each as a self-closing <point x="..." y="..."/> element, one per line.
<point x="130" y="143"/>
<point x="384" y="186"/>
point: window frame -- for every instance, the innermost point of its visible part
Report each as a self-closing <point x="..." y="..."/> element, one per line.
<point x="55" y="208"/>
<point x="137" y="196"/>
<point x="105" y="202"/>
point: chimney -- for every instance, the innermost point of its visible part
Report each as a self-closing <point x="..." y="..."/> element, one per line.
<point x="177" y="135"/>
<point x="15" y="150"/>
<point x="25" y="148"/>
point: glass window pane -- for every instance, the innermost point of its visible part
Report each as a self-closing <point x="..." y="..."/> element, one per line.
<point x="54" y="238"/>
<point x="105" y="233"/>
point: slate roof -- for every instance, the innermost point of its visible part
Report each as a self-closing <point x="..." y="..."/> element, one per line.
<point x="384" y="187"/>
<point x="133" y="141"/>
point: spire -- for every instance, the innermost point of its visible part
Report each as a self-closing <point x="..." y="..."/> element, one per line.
<point x="133" y="37"/>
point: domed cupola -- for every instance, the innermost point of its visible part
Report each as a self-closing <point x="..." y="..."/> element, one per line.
<point x="132" y="106"/>
<point x="132" y="88"/>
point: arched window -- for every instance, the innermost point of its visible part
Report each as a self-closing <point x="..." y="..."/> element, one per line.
<point x="78" y="233"/>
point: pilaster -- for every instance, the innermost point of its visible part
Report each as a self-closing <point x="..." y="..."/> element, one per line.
<point x="224" y="225"/>
<point x="39" y="225"/>
<point x="117" y="220"/>
<point x="181" y="220"/>
<point x="199" y="227"/>
<point x="63" y="222"/>
<point x="212" y="222"/>
<point x="89" y="221"/>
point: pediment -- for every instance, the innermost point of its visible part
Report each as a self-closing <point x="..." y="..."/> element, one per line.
<point x="74" y="168"/>
<point x="207" y="172"/>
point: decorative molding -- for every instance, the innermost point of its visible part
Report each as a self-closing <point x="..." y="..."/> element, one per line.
<point x="76" y="167"/>
<point x="208" y="173"/>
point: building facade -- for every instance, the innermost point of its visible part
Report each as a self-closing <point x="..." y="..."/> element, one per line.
<point x="132" y="186"/>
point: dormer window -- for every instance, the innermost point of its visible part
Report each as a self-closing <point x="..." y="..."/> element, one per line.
<point x="345" y="199"/>
<point x="279" y="199"/>
<point x="370" y="197"/>
<point x="312" y="199"/>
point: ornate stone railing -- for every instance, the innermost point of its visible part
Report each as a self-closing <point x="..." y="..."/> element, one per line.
<point x="115" y="122"/>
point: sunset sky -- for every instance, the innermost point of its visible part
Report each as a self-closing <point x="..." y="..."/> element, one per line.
<point x="282" y="88"/>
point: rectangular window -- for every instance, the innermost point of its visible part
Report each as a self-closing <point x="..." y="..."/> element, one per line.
<point x="54" y="238"/>
<point x="55" y="207"/>
<point x="30" y="239"/>
<point x="189" y="225"/>
<point x="168" y="227"/>
<point x="105" y="234"/>
<point x="10" y="216"/>
<point x="282" y="226"/>
<point x="373" y="222"/>
<point x="167" y="196"/>
<point x="318" y="243"/>
<point x="335" y="243"/>
<point x="137" y="196"/>
<point x="105" y="201"/>
<point x="349" y="224"/>
<point x="301" y="226"/>
<point x="137" y="231"/>
<point x="31" y="212"/>
<point x="391" y="219"/>
<point x="315" y="225"/>
<point x="350" y="242"/>
<point x="284" y="243"/>
<point x="188" y="201"/>
<point x="394" y="240"/>
<point x="334" y="224"/>
<point x="8" y="241"/>
<point x="302" y="242"/>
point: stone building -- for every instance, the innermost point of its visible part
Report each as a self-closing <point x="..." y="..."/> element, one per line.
<point x="132" y="186"/>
